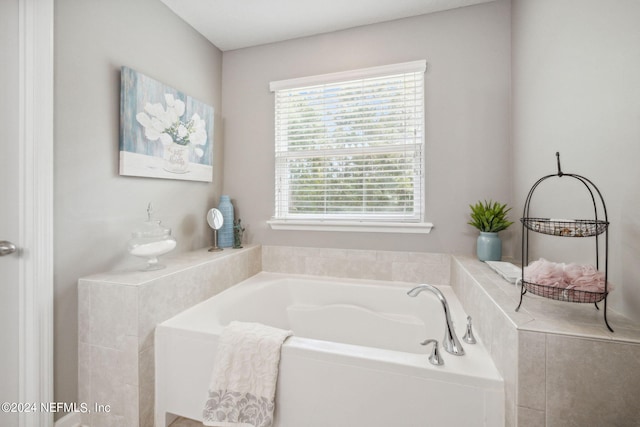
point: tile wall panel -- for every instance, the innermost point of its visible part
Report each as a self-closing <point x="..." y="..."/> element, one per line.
<point x="117" y="315"/>
<point x="561" y="365"/>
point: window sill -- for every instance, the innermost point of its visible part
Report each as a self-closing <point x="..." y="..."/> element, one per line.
<point x="356" y="226"/>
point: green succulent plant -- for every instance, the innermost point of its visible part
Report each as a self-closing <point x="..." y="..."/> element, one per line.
<point x="489" y="216"/>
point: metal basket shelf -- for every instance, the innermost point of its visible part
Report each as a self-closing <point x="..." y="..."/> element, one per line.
<point x="566" y="227"/>
<point x="564" y="294"/>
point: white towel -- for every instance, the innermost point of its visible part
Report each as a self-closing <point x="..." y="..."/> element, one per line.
<point x="243" y="382"/>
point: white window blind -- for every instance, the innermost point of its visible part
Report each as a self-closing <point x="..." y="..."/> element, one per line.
<point x="349" y="146"/>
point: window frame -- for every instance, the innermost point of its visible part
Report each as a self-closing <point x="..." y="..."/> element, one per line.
<point x="353" y="222"/>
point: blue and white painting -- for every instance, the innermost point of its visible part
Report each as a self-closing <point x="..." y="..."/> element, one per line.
<point x="163" y="132"/>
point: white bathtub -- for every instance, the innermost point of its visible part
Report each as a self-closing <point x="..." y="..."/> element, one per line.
<point x="355" y="359"/>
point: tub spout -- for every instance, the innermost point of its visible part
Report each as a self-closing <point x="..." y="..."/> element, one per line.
<point x="450" y="343"/>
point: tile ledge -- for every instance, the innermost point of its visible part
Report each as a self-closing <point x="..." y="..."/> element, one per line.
<point x="175" y="264"/>
<point x="544" y="323"/>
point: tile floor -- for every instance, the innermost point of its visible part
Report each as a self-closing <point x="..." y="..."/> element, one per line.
<point x="186" y="422"/>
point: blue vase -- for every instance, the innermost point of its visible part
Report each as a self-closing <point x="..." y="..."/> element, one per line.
<point x="489" y="247"/>
<point x="225" y="234"/>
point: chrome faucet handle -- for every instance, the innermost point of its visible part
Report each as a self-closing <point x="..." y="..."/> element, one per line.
<point x="435" y="358"/>
<point x="450" y="342"/>
<point x="468" y="336"/>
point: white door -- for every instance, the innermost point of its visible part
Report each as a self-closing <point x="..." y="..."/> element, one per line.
<point x="9" y="225"/>
<point x="26" y="273"/>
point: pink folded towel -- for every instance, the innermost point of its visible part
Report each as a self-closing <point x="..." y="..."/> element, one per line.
<point x="569" y="276"/>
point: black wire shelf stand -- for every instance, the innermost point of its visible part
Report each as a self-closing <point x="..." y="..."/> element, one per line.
<point x="597" y="227"/>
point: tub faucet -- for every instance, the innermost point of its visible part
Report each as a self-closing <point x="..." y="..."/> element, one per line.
<point x="450" y="343"/>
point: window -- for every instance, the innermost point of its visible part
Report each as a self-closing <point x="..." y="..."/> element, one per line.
<point x="349" y="149"/>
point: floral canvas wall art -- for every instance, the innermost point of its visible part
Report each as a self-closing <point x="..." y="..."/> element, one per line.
<point x="163" y="132"/>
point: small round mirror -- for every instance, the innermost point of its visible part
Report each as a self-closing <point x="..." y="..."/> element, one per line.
<point x="214" y="218"/>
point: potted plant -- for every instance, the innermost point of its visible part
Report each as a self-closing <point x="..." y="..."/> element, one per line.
<point x="490" y="218"/>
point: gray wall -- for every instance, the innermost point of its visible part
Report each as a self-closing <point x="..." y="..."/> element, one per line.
<point x="95" y="208"/>
<point x="467" y="119"/>
<point x="576" y="89"/>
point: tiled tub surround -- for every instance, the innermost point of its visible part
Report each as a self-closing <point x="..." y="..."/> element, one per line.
<point x="561" y="365"/>
<point x="412" y="267"/>
<point x="118" y="312"/>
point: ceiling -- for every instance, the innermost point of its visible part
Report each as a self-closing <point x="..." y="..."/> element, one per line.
<point x="235" y="24"/>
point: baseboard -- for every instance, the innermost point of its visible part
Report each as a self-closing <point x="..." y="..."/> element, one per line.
<point x="72" y="419"/>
